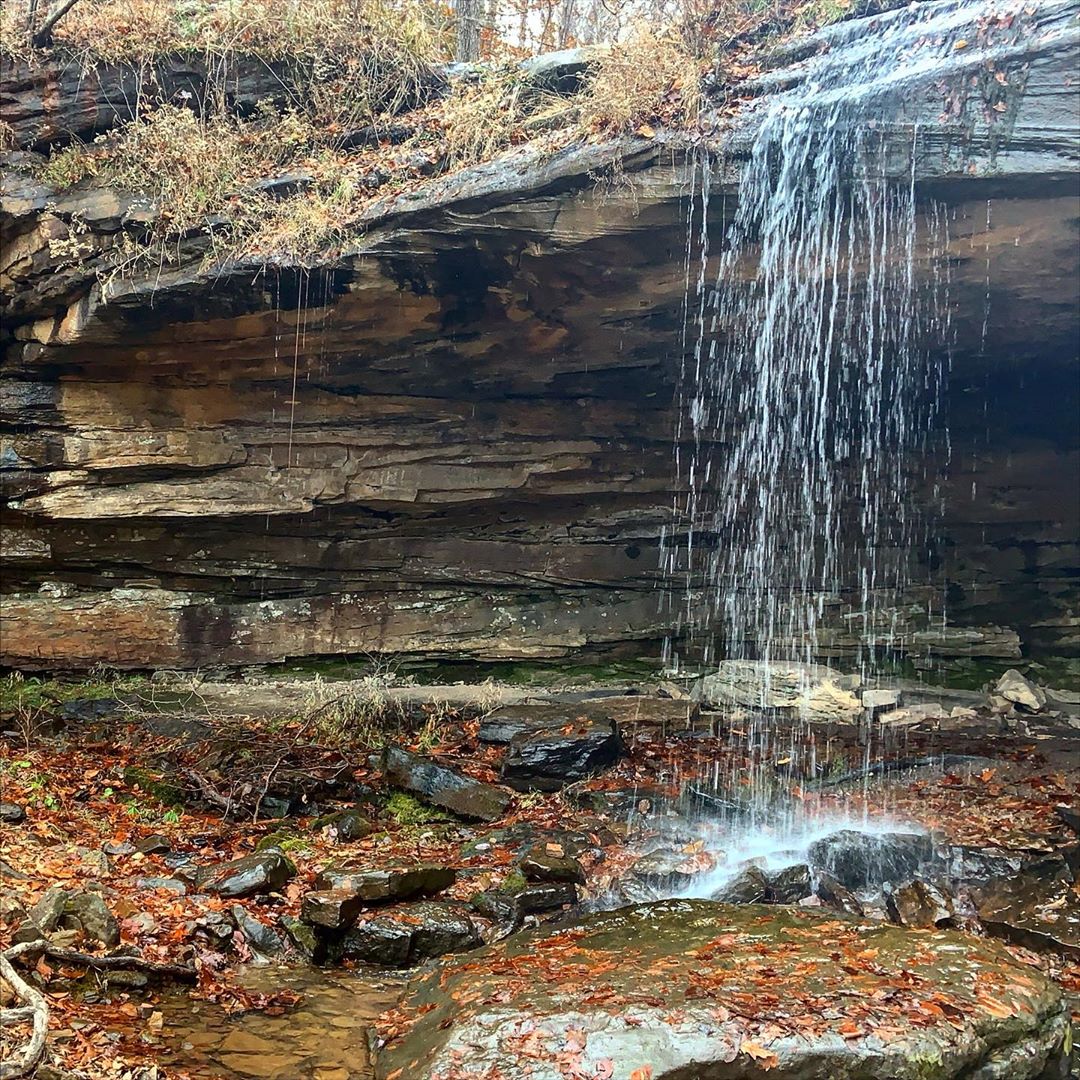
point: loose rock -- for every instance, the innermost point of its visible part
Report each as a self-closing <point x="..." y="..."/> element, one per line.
<point x="334" y="909"/>
<point x="445" y="787"/>
<point x="1022" y="693"/>
<point x="386" y="886"/>
<point x="12" y="813"/>
<point x="540" y="863"/>
<point x="262" y="938"/>
<point x="919" y="903"/>
<point x="547" y="761"/>
<point x="412" y="933"/>
<point x="265" y="871"/>
<point x="750" y="886"/>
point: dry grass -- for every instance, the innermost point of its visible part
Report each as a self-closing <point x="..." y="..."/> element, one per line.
<point x="652" y="76"/>
<point x="358" y="63"/>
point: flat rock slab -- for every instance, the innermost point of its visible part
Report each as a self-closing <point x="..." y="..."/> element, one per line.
<point x="683" y="989"/>
<point x="387" y="885"/>
<point x="444" y="787"/>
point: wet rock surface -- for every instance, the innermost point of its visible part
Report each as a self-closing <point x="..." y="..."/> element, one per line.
<point x="411" y="933"/>
<point x="386" y="886"/>
<point x="445" y="787"/>
<point x="265" y="871"/>
<point x="549" y="760"/>
<point x="689" y="996"/>
<point x="858" y="859"/>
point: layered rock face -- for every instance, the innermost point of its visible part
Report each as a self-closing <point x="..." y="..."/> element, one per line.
<point x="458" y="438"/>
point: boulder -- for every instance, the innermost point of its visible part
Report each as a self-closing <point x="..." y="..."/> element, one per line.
<point x="749" y="886"/>
<point x="504" y="725"/>
<point x="858" y="860"/>
<point x="332" y="909"/>
<point x="386" y="886"/>
<point x="87" y="912"/>
<point x="411" y="933"/>
<point x="790" y="885"/>
<point x="444" y="787"/>
<point x="1021" y="692"/>
<point x="682" y="989"/>
<point x="918" y="903"/>
<point x="830" y="892"/>
<point x="541" y="863"/>
<point x="547" y="761"/>
<point x="810" y="691"/>
<point x="265" y="871"/>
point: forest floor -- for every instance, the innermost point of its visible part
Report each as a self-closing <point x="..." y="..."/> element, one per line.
<point x="91" y="773"/>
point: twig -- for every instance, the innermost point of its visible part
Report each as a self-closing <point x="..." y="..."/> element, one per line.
<point x="36" y="1007"/>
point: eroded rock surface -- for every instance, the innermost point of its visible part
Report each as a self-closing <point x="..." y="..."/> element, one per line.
<point x="701" y="989"/>
<point x="478" y="455"/>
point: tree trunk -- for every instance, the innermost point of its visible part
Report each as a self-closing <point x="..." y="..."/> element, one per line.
<point x="468" y="30"/>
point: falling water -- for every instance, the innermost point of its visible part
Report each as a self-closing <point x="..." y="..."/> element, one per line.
<point x="816" y="348"/>
<point x="816" y="359"/>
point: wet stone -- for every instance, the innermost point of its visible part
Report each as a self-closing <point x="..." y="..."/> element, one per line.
<point x="544" y="896"/>
<point x="472" y="1012"/>
<point x="444" y="787"/>
<point x="1036" y="911"/>
<point x="333" y="909"/>
<point x="548" y="761"/>
<point x="837" y="896"/>
<point x="262" y="938"/>
<point x="666" y="869"/>
<point x="547" y="862"/>
<point x="750" y="886"/>
<point x="1021" y="692"/>
<point x="790" y="885"/>
<point x="265" y="871"/>
<point x="302" y="938"/>
<point x="858" y="860"/>
<point x="216" y="928"/>
<point x="12" y="813"/>
<point x="919" y="903"/>
<point x="386" y="886"/>
<point x="411" y="933"/>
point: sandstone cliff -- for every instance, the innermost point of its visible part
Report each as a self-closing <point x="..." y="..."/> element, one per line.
<point x="456" y="437"/>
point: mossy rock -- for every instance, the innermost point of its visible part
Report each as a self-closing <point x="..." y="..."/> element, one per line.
<point x="167" y="794"/>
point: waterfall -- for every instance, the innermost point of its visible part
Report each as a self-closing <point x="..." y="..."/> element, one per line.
<point x="817" y="348"/>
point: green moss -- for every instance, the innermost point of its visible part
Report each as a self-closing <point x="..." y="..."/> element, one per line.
<point x="284" y="840"/>
<point x="406" y="810"/>
<point x="17" y="692"/>
<point x="150" y="785"/>
<point x="513" y="881"/>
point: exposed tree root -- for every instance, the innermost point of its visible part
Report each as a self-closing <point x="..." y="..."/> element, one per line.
<point x="35" y="1009"/>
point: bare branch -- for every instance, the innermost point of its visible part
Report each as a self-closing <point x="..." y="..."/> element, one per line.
<point x="44" y="35"/>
